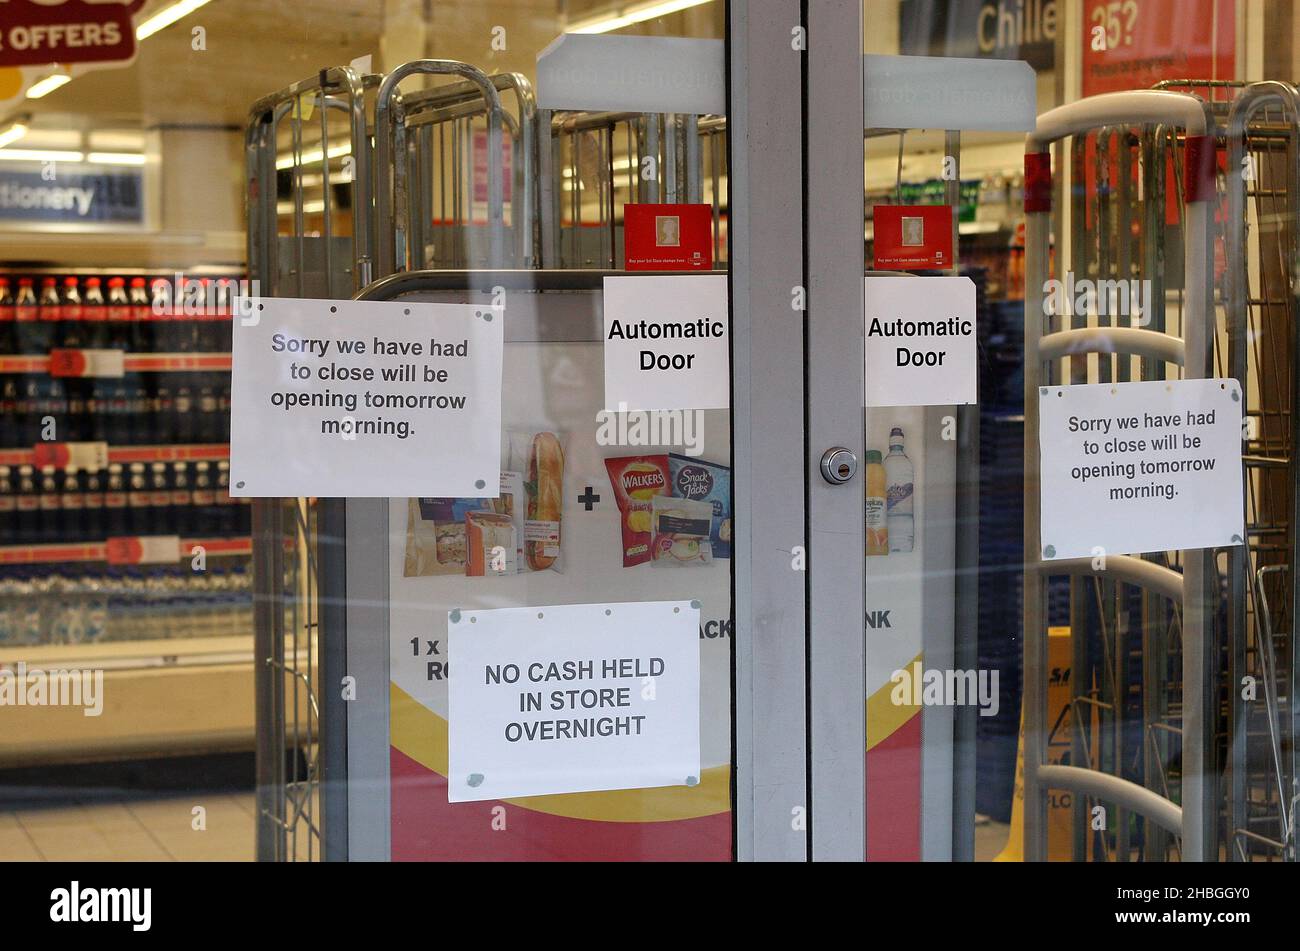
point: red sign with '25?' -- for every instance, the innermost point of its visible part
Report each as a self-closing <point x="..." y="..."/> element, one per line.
<point x="66" y="31"/>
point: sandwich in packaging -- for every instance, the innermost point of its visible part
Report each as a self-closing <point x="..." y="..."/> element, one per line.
<point x="491" y="544"/>
<point x="680" y="531"/>
<point x="540" y="458"/>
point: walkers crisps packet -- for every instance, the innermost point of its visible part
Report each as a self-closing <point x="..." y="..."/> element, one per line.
<point x="636" y="480"/>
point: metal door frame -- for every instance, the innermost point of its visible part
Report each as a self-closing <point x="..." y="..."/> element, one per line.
<point x="836" y="371"/>
<point x="770" y="750"/>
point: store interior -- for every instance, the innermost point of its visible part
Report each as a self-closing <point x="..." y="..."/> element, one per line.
<point x="149" y="271"/>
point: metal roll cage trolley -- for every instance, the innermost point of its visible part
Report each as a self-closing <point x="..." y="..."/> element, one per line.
<point x="406" y="175"/>
<point x="1192" y="607"/>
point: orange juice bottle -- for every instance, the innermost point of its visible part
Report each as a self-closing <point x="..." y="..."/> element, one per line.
<point x="875" y="505"/>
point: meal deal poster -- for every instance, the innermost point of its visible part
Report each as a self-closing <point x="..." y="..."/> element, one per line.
<point x="1133" y="44"/>
<point x="594" y="508"/>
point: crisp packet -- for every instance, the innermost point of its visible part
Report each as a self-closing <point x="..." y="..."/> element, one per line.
<point x="636" y="480"/>
<point x="711" y="482"/>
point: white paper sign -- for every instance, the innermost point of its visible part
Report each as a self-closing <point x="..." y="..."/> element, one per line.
<point x="1140" y="467"/>
<point x="366" y="399"/>
<point x="920" y="341"/>
<point x="666" y="343"/>
<point x="573" y="698"/>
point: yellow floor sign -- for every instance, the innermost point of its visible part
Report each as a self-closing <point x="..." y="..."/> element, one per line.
<point x="1059" y="848"/>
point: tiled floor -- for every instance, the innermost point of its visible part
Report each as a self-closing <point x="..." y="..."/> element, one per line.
<point x="125" y="830"/>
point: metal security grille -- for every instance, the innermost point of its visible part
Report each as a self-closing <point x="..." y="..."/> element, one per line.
<point x="310" y="233"/>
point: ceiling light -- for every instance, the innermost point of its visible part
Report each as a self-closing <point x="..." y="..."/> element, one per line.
<point x="40" y="155"/>
<point x="312" y="157"/>
<point x="635" y="14"/>
<point x="166" y="17"/>
<point x="115" y="158"/>
<point x="43" y="87"/>
<point x="12" y="133"/>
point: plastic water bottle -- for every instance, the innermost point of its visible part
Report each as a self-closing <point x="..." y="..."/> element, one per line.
<point x="899" y="476"/>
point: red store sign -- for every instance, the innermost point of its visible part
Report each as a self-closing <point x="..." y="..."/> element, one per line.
<point x="35" y="32"/>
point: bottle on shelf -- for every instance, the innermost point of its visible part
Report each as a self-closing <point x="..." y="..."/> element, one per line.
<point x="117" y="309"/>
<point x="49" y="314"/>
<point x="142" y="337"/>
<point x="26" y="309"/>
<point x="8" y="507"/>
<point x="27" y="507"/>
<point x="92" y="504"/>
<point x="72" y="507"/>
<point x="51" y="519"/>
<point x="206" y="517"/>
<point x="161" y="521"/>
<point x="182" y="500"/>
<point x="98" y="318"/>
<point x="139" y="500"/>
<point x="235" y="516"/>
<point x="899" y="477"/>
<point x="116" y="516"/>
<point x="73" y="337"/>
<point x="9" y="382"/>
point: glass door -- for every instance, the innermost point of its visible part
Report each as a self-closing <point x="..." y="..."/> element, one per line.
<point x="549" y="668"/>
<point x="1045" y="484"/>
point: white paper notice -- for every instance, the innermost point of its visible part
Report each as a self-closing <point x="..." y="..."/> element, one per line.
<point x="366" y="399"/>
<point x="920" y="341"/>
<point x="573" y="698"/>
<point x="1140" y="467"/>
<point x="666" y="343"/>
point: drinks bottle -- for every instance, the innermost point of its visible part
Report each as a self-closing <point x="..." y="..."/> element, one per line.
<point x="92" y="505"/>
<point x="899" y="476"/>
<point x="73" y="337"/>
<point x="27" y="508"/>
<point x="10" y="421"/>
<point x="51" y="521"/>
<point x="874" y="505"/>
<point x="95" y="315"/>
<point x="116" y="521"/>
<point x="71" y="506"/>
<point x="141" y="317"/>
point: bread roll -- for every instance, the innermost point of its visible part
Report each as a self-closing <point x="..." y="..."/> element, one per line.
<point x="546" y="473"/>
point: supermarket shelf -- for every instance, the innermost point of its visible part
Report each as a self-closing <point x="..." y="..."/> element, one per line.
<point x="205" y="685"/>
<point x="133" y="363"/>
<point x="124" y="655"/>
<point x="49" y="454"/>
<point x="98" y="551"/>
